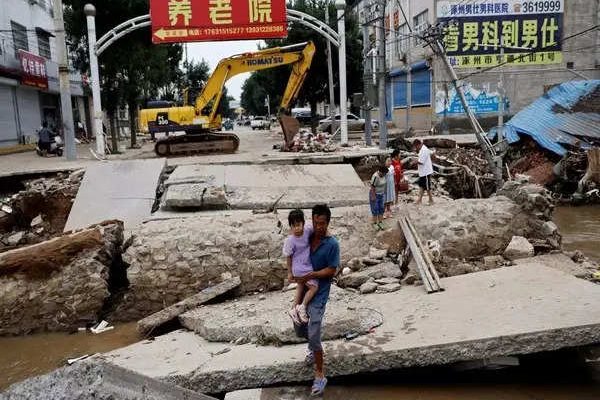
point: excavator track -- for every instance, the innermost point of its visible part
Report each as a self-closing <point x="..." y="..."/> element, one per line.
<point x="201" y="143"/>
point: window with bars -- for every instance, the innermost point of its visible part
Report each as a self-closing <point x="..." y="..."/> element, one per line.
<point x="420" y="24"/>
<point x="403" y="38"/>
<point x="44" y="45"/>
<point x="19" y="33"/>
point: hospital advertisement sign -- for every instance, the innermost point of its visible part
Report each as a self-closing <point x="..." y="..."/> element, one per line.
<point x="530" y="32"/>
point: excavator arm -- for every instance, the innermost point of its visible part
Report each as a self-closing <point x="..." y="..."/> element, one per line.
<point x="299" y="55"/>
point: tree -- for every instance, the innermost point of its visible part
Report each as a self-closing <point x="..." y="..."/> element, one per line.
<point x="315" y="89"/>
<point x="132" y="70"/>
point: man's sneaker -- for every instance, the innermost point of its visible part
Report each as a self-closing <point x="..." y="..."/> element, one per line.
<point x="301" y="310"/>
<point x="294" y="315"/>
<point x="318" y="387"/>
<point x="309" y="358"/>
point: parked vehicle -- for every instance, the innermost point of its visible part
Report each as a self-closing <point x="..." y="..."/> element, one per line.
<point x="260" y="123"/>
<point x="354" y="123"/>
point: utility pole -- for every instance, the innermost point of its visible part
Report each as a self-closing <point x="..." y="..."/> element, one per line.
<point x="493" y="159"/>
<point x="501" y="95"/>
<point x="340" y="5"/>
<point x="408" y="70"/>
<point x="65" y="84"/>
<point x="90" y="12"/>
<point x="381" y="68"/>
<point x="330" y="72"/>
<point x="367" y="75"/>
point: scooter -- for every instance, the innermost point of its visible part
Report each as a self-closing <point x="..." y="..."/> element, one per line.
<point x="56" y="147"/>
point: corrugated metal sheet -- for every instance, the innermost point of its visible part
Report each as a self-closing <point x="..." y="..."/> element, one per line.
<point x="550" y="128"/>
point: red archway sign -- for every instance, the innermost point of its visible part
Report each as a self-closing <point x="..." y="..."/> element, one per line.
<point x="210" y="20"/>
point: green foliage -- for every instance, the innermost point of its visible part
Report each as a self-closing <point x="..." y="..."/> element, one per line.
<point x="132" y="69"/>
<point x="315" y="89"/>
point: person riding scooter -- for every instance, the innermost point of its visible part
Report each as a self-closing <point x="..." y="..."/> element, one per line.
<point x="49" y="142"/>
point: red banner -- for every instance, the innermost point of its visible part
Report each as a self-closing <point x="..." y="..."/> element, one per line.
<point x="33" y="70"/>
<point x="210" y="20"/>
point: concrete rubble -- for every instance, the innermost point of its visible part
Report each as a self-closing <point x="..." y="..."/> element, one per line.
<point x="39" y="211"/>
<point x="97" y="380"/>
<point x="518" y="247"/>
<point x="60" y="284"/>
<point x="164" y="316"/>
<point x="250" y="320"/>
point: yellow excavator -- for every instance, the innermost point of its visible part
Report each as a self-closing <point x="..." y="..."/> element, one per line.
<point x="201" y="123"/>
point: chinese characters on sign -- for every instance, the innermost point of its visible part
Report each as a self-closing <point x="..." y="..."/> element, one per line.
<point x="208" y="20"/>
<point x="33" y="70"/>
<point x="529" y="31"/>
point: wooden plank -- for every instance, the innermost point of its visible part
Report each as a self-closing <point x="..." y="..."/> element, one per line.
<point x="430" y="265"/>
<point x="416" y="254"/>
<point x="423" y="254"/>
<point x="156" y="320"/>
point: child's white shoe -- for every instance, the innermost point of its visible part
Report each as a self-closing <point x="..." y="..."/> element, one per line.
<point x="302" y="314"/>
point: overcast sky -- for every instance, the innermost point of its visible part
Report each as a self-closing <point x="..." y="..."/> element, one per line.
<point x="213" y="52"/>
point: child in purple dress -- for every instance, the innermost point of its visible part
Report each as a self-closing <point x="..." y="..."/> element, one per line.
<point x="297" y="250"/>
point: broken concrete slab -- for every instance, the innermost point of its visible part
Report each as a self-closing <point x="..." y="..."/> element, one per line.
<point x="122" y="190"/>
<point x="519" y="247"/>
<point x="98" y="380"/>
<point x="267" y="321"/>
<point x="383" y="270"/>
<point x="156" y="320"/>
<point x="534" y="309"/>
<point x="561" y="262"/>
<point x="198" y="196"/>
<point x="259" y="186"/>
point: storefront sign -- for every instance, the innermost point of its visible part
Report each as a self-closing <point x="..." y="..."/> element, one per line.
<point x="33" y="70"/>
<point x="209" y="20"/>
<point x="529" y="31"/>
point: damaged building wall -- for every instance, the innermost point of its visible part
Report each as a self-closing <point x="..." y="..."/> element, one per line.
<point x="60" y="284"/>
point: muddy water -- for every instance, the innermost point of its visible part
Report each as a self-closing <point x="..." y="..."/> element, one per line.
<point x="580" y="228"/>
<point x="23" y="357"/>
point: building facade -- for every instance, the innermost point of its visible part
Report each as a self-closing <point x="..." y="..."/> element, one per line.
<point x="29" y="83"/>
<point x="420" y="93"/>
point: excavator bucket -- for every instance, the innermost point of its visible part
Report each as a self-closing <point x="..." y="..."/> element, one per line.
<point x="290" y="127"/>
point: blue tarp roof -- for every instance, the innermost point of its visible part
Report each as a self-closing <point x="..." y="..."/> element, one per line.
<point x="550" y="121"/>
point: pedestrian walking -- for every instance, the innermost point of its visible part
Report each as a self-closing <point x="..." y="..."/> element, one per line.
<point x="425" y="169"/>
<point x="325" y="260"/>
<point x="399" y="183"/>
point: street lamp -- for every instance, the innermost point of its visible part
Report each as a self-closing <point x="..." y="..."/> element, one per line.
<point x="340" y="5"/>
<point x="90" y="13"/>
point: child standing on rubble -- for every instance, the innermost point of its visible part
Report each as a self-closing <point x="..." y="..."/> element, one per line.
<point x="390" y="188"/>
<point x="297" y="250"/>
<point x="377" y="196"/>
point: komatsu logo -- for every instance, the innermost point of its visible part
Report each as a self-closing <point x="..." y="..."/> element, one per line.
<point x="265" y="61"/>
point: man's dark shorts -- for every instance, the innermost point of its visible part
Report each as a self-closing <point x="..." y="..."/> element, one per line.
<point x="44" y="145"/>
<point x="425" y="182"/>
<point x="312" y="330"/>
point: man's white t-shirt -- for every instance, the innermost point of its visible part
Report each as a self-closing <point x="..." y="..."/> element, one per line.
<point x="425" y="166"/>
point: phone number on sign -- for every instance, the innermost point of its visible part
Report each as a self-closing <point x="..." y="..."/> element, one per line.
<point x="238" y="31"/>
<point x="530" y="7"/>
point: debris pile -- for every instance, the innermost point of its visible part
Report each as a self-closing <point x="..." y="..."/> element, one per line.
<point x="307" y="142"/>
<point x="39" y="212"/>
<point x="60" y="284"/>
